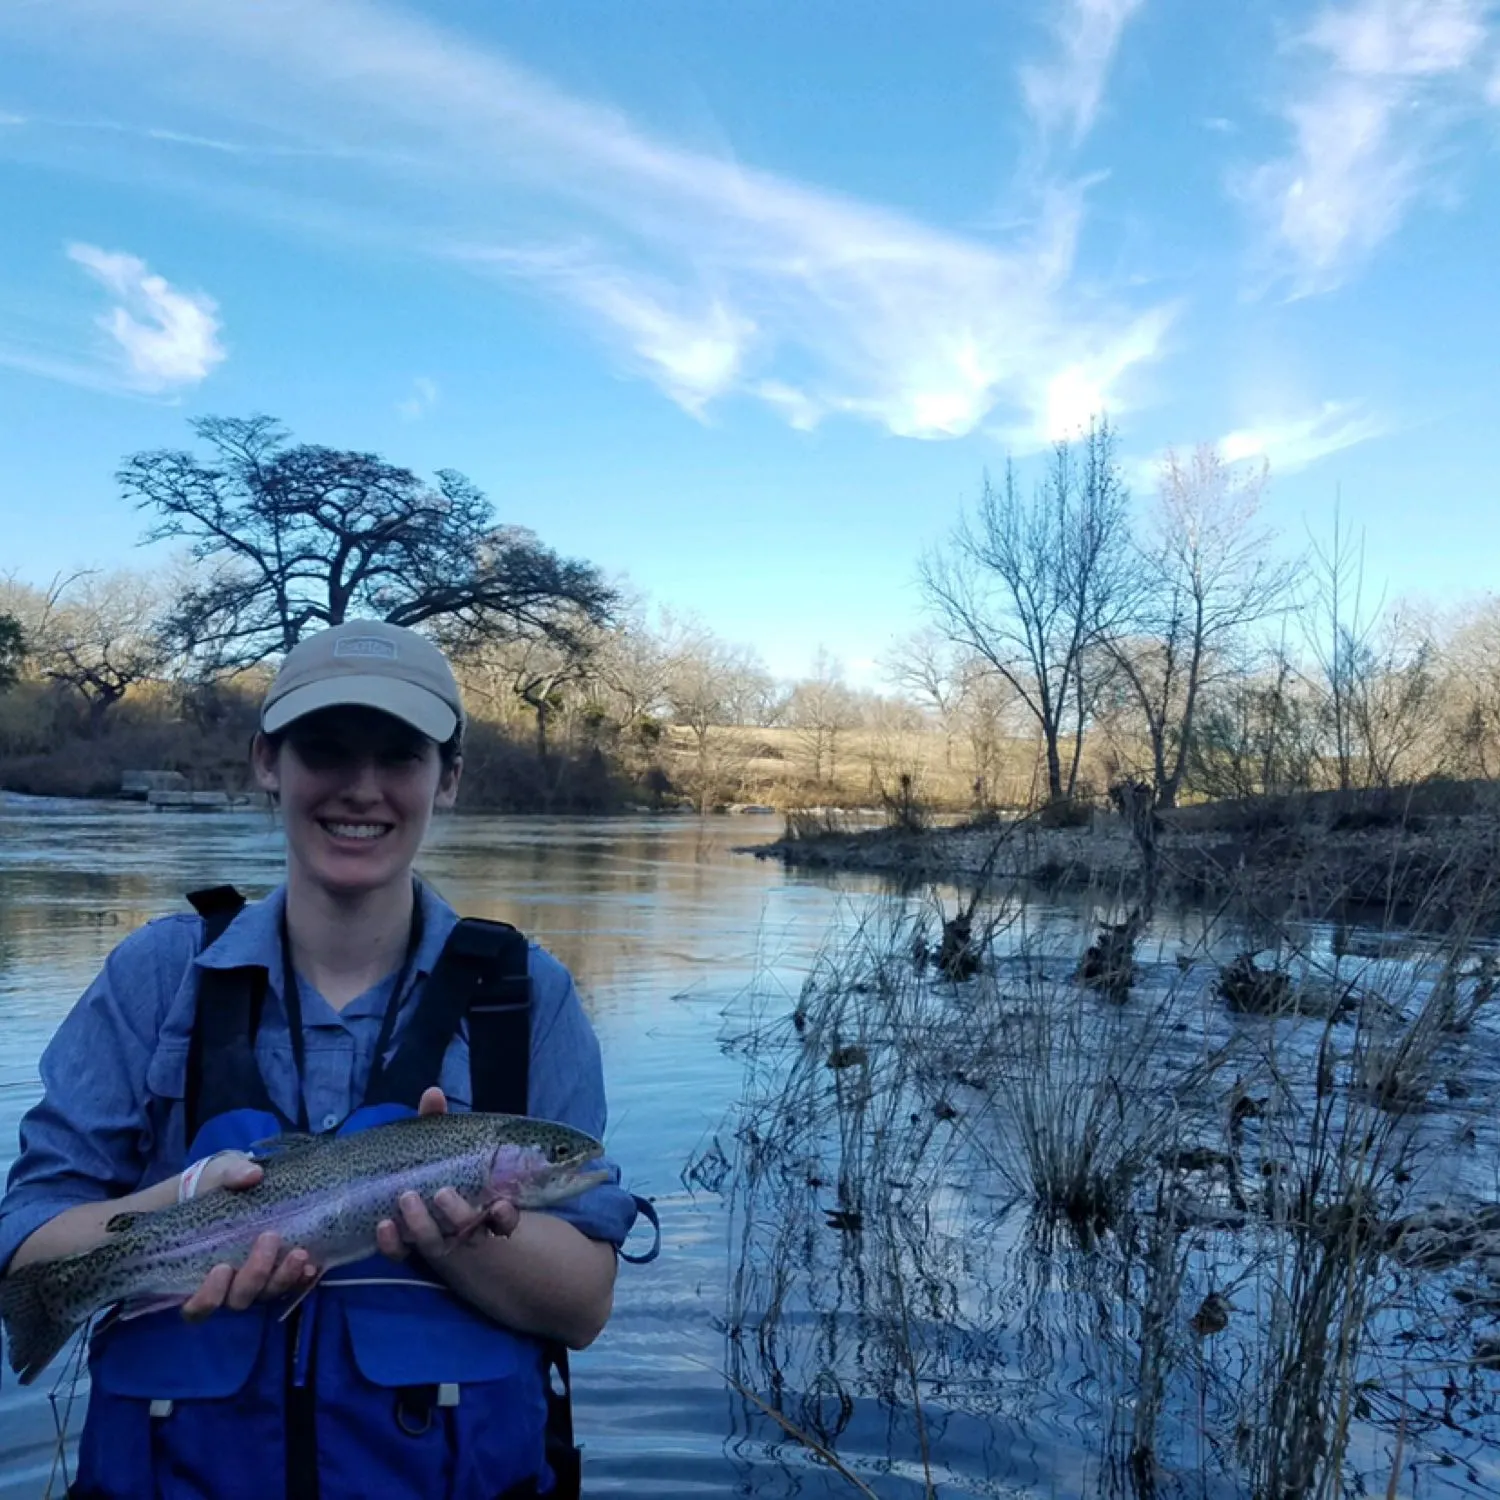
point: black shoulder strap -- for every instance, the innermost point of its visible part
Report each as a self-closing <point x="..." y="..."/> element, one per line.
<point x="494" y="962"/>
<point x="222" y="1073"/>
<point x="481" y="974"/>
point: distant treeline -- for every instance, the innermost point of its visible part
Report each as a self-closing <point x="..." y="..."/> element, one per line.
<point x="1078" y="640"/>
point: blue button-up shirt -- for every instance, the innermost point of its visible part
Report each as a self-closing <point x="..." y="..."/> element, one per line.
<point x="110" y="1120"/>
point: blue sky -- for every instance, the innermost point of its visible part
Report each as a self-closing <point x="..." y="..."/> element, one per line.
<point x="740" y="301"/>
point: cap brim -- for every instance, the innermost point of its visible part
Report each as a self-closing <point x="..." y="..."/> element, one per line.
<point x="413" y="705"/>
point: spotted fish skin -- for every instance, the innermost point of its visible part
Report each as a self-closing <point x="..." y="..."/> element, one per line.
<point x="324" y="1194"/>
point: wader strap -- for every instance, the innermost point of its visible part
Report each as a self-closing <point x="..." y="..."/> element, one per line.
<point x="481" y="974"/>
<point x="499" y="1010"/>
<point x="221" y="1063"/>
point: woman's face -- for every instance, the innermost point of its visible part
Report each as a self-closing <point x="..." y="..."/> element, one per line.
<point x="357" y="790"/>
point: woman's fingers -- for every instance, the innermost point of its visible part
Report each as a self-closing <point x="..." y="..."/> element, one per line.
<point x="252" y="1278"/>
<point x="210" y="1294"/>
<point x="433" y="1102"/>
<point x="236" y="1173"/>
<point x="419" y="1228"/>
<point x="388" y="1240"/>
<point x="504" y="1217"/>
<point x="265" y="1275"/>
<point x="294" y="1272"/>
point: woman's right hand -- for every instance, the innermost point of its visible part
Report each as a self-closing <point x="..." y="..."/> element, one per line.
<point x="266" y="1273"/>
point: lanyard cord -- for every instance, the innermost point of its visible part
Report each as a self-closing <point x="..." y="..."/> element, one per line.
<point x="293" y="1003"/>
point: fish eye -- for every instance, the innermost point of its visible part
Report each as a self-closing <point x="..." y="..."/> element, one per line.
<point x="559" y="1152"/>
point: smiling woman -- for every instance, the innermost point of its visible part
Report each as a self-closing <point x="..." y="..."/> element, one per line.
<point x="415" y="1365"/>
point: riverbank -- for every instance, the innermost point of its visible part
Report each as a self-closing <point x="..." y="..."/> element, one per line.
<point x="1434" y="846"/>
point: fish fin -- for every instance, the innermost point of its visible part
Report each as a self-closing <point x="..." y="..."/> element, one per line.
<point x="302" y="1295"/>
<point x="121" y="1222"/>
<point x="34" y="1333"/>
<point x="279" y="1145"/>
<point x="140" y="1306"/>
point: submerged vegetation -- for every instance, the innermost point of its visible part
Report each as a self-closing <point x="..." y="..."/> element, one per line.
<point x="1144" y="1200"/>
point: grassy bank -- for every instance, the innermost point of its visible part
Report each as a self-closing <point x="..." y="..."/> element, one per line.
<point x="1436" y="844"/>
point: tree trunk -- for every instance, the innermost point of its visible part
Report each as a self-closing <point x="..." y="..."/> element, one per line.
<point x="1054" y="764"/>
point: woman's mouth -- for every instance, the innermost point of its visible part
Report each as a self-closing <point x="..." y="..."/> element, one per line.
<point x="364" y="833"/>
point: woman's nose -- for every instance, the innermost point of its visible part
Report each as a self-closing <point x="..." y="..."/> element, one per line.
<point x="362" y="782"/>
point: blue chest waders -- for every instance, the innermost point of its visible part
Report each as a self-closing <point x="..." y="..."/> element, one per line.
<point x="382" y="1383"/>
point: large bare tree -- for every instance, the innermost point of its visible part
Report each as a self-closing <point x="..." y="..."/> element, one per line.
<point x="1204" y="577"/>
<point x="292" y="537"/>
<point x="1032" y="586"/>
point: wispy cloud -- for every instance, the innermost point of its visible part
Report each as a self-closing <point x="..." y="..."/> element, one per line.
<point x="1065" y="93"/>
<point x="423" y="397"/>
<point x="165" y="337"/>
<point x="709" y="277"/>
<point x="1290" y="443"/>
<point x="1388" y="79"/>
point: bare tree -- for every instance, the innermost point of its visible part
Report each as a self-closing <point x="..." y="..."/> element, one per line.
<point x="1392" y="701"/>
<point x="632" y="667"/>
<point x="1204" y="578"/>
<point x="706" y="689"/>
<point x="292" y="537"/>
<point x="528" y="678"/>
<point x="1470" y="668"/>
<point x="1030" y="587"/>
<point x="1256" y="736"/>
<point x="928" y="666"/>
<point x="100" y="639"/>
<point x="1339" y="633"/>
<point x="821" y="709"/>
<point x="12" y="651"/>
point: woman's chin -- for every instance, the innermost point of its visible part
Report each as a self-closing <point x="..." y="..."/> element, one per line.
<point x="353" y="871"/>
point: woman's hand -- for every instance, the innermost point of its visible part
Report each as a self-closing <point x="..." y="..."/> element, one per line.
<point x="266" y="1274"/>
<point x="434" y="1232"/>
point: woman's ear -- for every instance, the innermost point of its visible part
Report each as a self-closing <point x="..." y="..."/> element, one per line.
<point x="447" y="791"/>
<point x="264" y="761"/>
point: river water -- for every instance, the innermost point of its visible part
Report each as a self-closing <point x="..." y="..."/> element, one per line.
<point x="683" y="948"/>
<point x="664" y="927"/>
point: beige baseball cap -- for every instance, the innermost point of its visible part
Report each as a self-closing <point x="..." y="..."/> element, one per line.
<point x="373" y="665"/>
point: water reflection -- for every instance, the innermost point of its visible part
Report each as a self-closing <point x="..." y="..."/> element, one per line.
<point x="666" y="931"/>
<point x="842" y="1242"/>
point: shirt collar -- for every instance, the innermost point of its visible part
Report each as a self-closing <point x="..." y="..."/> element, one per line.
<point x="253" y="939"/>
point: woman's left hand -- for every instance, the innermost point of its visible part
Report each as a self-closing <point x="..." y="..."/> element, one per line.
<point x="435" y="1234"/>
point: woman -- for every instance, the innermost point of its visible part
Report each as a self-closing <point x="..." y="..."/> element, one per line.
<point x="424" y="1378"/>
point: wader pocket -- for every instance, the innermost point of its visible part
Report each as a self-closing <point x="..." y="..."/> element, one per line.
<point x="447" y="1402"/>
<point x="175" y="1408"/>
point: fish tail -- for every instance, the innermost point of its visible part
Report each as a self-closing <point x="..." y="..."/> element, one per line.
<point x="33" y="1308"/>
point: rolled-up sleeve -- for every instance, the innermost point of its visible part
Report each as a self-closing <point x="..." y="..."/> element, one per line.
<point x="567" y="1085"/>
<point x="88" y="1139"/>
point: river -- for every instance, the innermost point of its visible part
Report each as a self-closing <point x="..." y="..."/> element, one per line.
<point x="665" y="929"/>
<point x="691" y="958"/>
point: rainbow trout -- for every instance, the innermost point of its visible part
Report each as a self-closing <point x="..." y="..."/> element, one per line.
<point x="324" y="1194"/>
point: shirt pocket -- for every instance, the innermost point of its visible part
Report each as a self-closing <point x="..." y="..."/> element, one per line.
<point x="166" y="1073"/>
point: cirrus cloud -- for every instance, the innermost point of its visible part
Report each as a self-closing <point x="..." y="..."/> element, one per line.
<point x="708" y="277"/>
<point x="164" y="337"/>
<point x="1391" y="77"/>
